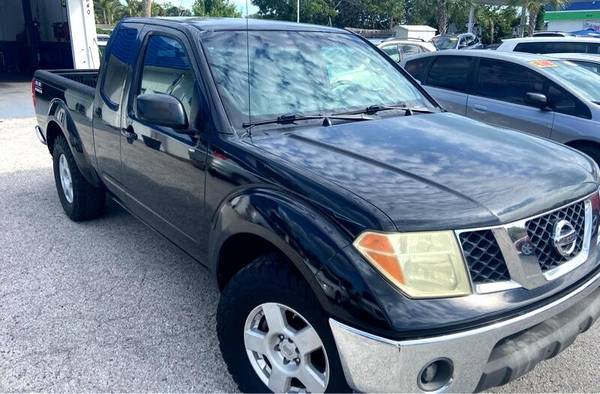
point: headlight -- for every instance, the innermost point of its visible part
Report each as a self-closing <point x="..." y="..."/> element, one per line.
<point x="422" y="265"/>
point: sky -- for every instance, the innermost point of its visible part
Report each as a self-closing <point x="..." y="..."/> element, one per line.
<point x="241" y="5"/>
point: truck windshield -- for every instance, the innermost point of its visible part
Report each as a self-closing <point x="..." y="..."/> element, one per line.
<point x="292" y="72"/>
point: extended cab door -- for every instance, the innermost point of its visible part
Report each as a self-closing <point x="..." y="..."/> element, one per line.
<point x="115" y="74"/>
<point x="499" y="97"/>
<point x="164" y="168"/>
<point x="449" y="80"/>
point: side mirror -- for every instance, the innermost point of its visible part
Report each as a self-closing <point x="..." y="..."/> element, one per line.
<point x="537" y="100"/>
<point x="161" y="109"/>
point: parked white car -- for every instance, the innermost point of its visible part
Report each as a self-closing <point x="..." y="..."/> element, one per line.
<point x="401" y="48"/>
<point x="551" y="45"/>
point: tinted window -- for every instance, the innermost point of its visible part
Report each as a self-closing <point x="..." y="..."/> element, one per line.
<point x="167" y="69"/>
<point x="563" y="102"/>
<point x="552" y="47"/>
<point x="418" y="67"/>
<point x="123" y="52"/>
<point x="392" y="51"/>
<point x="451" y="72"/>
<point x="594" y="48"/>
<point x="507" y="81"/>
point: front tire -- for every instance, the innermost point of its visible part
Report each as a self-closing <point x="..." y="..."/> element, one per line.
<point x="79" y="199"/>
<point x="274" y="335"/>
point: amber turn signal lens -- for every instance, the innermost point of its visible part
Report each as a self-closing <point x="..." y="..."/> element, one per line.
<point x="422" y="265"/>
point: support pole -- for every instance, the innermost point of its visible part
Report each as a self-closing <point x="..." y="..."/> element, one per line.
<point x="298" y="11"/>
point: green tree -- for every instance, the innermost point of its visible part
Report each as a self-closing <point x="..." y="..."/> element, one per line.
<point x="366" y="14"/>
<point x="169" y="9"/>
<point x="438" y="13"/>
<point x="215" y="8"/>
<point x="534" y="7"/>
<point x="106" y="10"/>
<point x="133" y="8"/>
<point x="496" y="22"/>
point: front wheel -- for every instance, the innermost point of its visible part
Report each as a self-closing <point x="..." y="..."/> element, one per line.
<point x="273" y="334"/>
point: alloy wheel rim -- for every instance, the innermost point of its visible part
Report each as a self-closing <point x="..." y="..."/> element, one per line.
<point x="285" y="351"/>
<point x="65" y="178"/>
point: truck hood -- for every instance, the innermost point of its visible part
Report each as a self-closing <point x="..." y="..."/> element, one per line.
<point x="439" y="171"/>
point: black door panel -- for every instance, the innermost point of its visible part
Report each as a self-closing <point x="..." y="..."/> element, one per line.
<point x="163" y="181"/>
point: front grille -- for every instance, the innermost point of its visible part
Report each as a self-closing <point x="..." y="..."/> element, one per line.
<point x="540" y="231"/>
<point x="484" y="257"/>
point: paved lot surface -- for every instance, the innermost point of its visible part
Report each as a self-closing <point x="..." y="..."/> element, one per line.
<point x="109" y="305"/>
<point x="15" y="99"/>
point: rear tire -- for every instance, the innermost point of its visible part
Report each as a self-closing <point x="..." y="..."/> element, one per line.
<point x="79" y="199"/>
<point x="269" y="284"/>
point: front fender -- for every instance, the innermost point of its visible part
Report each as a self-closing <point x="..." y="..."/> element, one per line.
<point x="309" y="239"/>
<point x="59" y="114"/>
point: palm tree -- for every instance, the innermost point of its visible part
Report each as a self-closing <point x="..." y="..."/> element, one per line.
<point x="133" y="8"/>
<point x="487" y="16"/>
<point x="147" y="8"/>
<point x="533" y="8"/>
<point x="107" y="8"/>
<point x="442" y="16"/>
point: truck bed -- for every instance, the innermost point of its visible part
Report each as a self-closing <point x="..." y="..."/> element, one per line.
<point x="74" y="79"/>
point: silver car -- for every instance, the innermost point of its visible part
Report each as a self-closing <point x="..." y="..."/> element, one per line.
<point x="545" y="96"/>
<point x="587" y="60"/>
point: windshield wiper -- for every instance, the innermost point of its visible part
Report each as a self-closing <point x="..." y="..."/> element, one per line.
<point x="291" y="118"/>
<point x="373" y="109"/>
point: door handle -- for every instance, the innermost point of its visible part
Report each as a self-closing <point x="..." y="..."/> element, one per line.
<point x="98" y="112"/>
<point x="80" y="108"/>
<point x="479" y="108"/>
<point x="129" y="134"/>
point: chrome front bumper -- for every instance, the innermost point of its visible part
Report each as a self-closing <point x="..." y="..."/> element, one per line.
<point x="481" y="357"/>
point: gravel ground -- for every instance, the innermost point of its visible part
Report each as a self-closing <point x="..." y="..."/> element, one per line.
<point x="109" y="305"/>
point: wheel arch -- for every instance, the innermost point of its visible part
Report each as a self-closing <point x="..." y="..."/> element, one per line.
<point x="268" y="220"/>
<point x="260" y="221"/>
<point x="60" y="122"/>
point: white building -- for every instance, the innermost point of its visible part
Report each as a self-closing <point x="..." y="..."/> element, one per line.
<point x="423" y="32"/>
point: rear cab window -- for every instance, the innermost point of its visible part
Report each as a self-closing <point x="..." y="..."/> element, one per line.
<point x="121" y="56"/>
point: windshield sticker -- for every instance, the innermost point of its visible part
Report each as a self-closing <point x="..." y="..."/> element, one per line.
<point x="543" y="63"/>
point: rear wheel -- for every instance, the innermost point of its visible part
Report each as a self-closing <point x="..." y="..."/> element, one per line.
<point x="273" y="334"/>
<point x="79" y="199"/>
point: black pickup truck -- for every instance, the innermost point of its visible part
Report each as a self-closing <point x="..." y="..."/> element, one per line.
<point x="362" y="237"/>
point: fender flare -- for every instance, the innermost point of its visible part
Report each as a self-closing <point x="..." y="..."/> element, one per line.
<point x="302" y="234"/>
<point x="59" y="114"/>
<point x="313" y="243"/>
